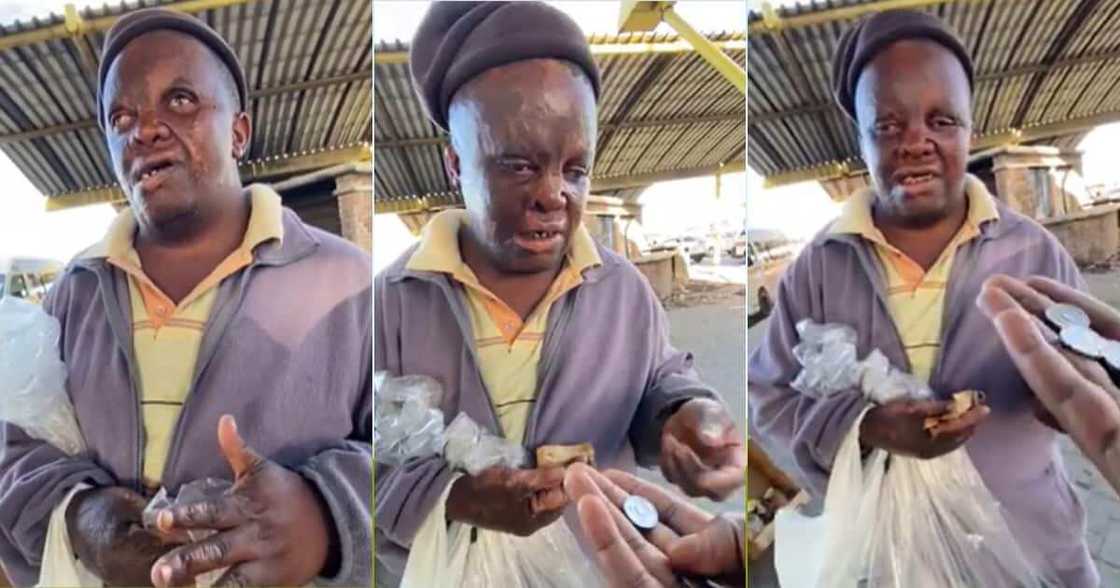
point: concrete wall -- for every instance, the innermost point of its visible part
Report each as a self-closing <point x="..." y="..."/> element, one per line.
<point x="665" y="270"/>
<point x="1090" y="236"/>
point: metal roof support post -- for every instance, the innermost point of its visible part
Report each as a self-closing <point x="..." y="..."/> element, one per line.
<point x="641" y="16"/>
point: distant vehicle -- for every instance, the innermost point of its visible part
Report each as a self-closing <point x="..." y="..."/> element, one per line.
<point x="768" y="254"/>
<point x="28" y="278"/>
<point x="738" y="246"/>
<point x="695" y="248"/>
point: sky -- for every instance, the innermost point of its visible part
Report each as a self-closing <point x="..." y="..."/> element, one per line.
<point x="26" y="228"/>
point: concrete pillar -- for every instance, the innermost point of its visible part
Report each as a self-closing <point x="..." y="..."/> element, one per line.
<point x="355" y="208"/>
<point x="1040" y="182"/>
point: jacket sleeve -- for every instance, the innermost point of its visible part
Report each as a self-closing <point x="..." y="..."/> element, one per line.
<point x="672" y="382"/>
<point x="811" y="428"/>
<point x="344" y="478"/>
<point x="34" y="479"/>
<point x="405" y="494"/>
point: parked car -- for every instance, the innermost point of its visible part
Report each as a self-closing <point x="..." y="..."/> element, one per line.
<point x="27" y="278"/>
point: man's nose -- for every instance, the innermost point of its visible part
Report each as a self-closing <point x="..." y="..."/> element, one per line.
<point x="551" y="193"/>
<point x="916" y="140"/>
<point x="149" y="129"/>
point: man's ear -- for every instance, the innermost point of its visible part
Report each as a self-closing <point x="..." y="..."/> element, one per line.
<point x="451" y="162"/>
<point x="242" y="133"/>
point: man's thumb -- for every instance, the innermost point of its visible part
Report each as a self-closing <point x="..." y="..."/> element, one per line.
<point x="240" y="458"/>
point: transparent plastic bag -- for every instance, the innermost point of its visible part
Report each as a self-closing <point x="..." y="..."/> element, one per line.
<point x="33" y="378"/>
<point x="917" y="523"/>
<point x="196" y="491"/>
<point x="407" y="425"/>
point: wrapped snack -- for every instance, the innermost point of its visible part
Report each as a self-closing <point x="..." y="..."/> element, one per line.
<point x="563" y="455"/>
<point x="467" y="447"/>
<point x="33" y="378"/>
<point x="963" y="401"/>
<point x="406" y="424"/>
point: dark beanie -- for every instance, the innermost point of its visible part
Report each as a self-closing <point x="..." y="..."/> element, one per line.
<point x="457" y="41"/>
<point x="861" y="43"/>
<point x="137" y="23"/>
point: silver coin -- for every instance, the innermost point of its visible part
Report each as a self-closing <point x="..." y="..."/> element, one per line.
<point x="1111" y="354"/>
<point x="640" y="511"/>
<point x="1061" y="316"/>
<point x="1083" y="340"/>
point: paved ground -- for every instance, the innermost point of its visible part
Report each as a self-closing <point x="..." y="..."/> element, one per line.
<point x="1101" y="503"/>
<point x="714" y="335"/>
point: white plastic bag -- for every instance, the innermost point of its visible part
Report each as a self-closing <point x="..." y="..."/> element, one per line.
<point x="894" y="521"/>
<point x="468" y="557"/>
<point x="33" y="378"/>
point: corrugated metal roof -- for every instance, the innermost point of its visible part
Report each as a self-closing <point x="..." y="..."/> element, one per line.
<point x="659" y="112"/>
<point x="1050" y="68"/>
<point x="307" y="62"/>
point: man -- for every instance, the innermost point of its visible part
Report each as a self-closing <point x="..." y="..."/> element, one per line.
<point x="205" y="298"/>
<point x="903" y="265"/>
<point x="535" y="331"/>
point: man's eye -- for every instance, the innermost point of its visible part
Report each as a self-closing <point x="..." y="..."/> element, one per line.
<point x="180" y="100"/>
<point x="886" y="127"/>
<point x="942" y="122"/>
<point x="577" y="173"/>
<point x="120" y="120"/>
<point x="518" y="166"/>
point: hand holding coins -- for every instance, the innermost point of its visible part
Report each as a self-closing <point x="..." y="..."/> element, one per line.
<point x="646" y="536"/>
<point x="1061" y="358"/>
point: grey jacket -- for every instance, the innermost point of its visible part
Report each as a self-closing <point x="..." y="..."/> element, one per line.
<point x="607" y="376"/>
<point x="287" y="351"/>
<point x="837" y="279"/>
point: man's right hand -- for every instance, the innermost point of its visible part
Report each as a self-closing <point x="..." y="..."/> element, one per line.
<point x="107" y="534"/>
<point x="509" y="500"/>
<point x="899" y="427"/>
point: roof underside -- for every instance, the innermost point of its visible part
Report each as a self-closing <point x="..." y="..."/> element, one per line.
<point x="662" y="114"/>
<point x="307" y="63"/>
<point x="1046" y="72"/>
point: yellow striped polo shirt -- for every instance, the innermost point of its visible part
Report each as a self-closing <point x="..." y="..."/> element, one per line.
<point x="915" y="297"/>
<point x="508" y="348"/>
<point x="166" y="336"/>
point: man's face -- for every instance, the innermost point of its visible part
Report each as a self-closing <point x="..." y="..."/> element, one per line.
<point x="913" y="107"/>
<point x="522" y="145"/>
<point x="173" y="126"/>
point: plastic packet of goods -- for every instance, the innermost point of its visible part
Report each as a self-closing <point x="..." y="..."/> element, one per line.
<point x="468" y="447"/>
<point x="827" y="354"/>
<point x="406" y="423"/>
<point x="33" y="378"/>
<point x="190" y="493"/>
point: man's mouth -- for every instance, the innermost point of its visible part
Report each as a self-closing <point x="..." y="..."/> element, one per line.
<point x="539" y="241"/>
<point x="152" y="176"/>
<point x="915" y="179"/>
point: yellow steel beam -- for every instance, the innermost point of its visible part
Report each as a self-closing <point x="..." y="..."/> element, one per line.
<point x="88" y="197"/>
<point x="418" y="204"/>
<point x="817" y="173"/>
<point x="636" y="180"/>
<point x="708" y="50"/>
<point x="303" y="162"/>
<point x="772" y="22"/>
<point x="75" y="25"/>
<point x="398" y="57"/>
<point x="251" y="171"/>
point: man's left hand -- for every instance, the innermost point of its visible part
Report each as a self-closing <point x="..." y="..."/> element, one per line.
<point x="273" y="527"/>
<point x="702" y="451"/>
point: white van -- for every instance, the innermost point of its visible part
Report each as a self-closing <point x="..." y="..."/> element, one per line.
<point x="768" y="255"/>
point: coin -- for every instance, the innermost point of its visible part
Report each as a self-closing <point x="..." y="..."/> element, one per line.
<point x="1083" y="340"/>
<point x="1061" y="316"/>
<point x="640" y="511"/>
<point x="1111" y="354"/>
